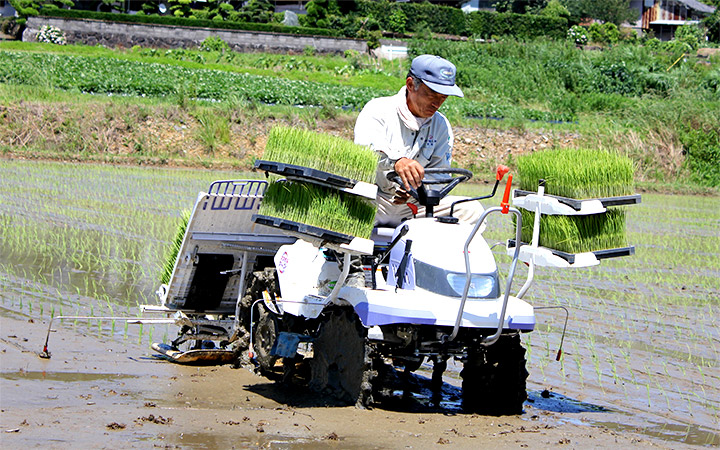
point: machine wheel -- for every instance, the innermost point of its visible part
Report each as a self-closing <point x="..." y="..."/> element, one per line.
<point x="342" y="361"/>
<point x="494" y="378"/>
<point x="265" y="333"/>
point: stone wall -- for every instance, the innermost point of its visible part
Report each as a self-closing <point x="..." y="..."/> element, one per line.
<point x="117" y="34"/>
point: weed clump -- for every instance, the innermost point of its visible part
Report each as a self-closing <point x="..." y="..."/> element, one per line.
<point x="319" y="207"/>
<point x="321" y="152"/>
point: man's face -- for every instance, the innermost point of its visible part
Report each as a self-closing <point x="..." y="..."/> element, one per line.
<point x="424" y="102"/>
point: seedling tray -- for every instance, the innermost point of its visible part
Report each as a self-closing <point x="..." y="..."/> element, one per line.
<point x="572" y="258"/>
<point x="320" y="177"/>
<point x="319" y="237"/>
<point x="297" y="227"/>
<point x="577" y="205"/>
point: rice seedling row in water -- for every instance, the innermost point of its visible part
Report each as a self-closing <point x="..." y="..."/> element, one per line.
<point x="319" y="207"/>
<point x="577" y="234"/>
<point x="577" y="173"/>
<point x="652" y="317"/>
<point x="321" y="152"/>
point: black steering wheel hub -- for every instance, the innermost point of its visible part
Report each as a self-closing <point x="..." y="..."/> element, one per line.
<point x="426" y="194"/>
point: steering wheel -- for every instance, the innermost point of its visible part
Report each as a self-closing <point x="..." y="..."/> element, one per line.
<point x="431" y="197"/>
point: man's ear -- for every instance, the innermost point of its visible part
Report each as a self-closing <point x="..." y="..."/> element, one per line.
<point x="410" y="84"/>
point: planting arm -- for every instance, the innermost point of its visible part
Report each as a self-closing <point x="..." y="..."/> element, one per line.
<point x="535" y="242"/>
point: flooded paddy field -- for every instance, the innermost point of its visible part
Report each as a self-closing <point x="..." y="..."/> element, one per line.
<point x="641" y="352"/>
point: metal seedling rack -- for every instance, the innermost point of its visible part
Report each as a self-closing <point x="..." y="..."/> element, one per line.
<point x="541" y="203"/>
<point x="309" y="175"/>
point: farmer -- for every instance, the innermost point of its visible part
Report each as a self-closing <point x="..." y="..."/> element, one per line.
<point x="410" y="135"/>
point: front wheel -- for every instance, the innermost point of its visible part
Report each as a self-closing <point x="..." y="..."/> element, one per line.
<point x="266" y="331"/>
<point x="494" y="378"/>
<point x="342" y="361"/>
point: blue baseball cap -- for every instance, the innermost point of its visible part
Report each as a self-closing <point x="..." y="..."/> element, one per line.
<point x="437" y="73"/>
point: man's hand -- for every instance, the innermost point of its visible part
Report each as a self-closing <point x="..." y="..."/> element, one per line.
<point x="401" y="197"/>
<point x="410" y="172"/>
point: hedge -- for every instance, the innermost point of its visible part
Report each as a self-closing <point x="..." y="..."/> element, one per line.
<point x="440" y="19"/>
<point x="522" y="26"/>
<point x="182" y="21"/>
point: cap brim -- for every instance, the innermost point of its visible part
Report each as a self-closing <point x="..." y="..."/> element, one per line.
<point x="453" y="90"/>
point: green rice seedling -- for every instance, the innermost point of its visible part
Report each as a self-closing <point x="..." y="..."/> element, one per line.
<point x="577" y="234"/>
<point x="319" y="207"/>
<point x="577" y="173"/>
<point x="174" y="249"/>
<point x="321" y="152"/>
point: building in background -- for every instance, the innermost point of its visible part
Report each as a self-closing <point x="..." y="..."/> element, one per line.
<point x="478" y="5"/>
<point x="662" y="17"/>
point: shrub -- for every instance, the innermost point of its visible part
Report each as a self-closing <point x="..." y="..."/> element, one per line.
<point x="595" y="33"/>
<point x="214" y="44"/>
<point x="627" y="34"/>
<point x="712" y="24"/>
<point x="654" y="44"/>
<point x="702" y="153"/>
<point x="691" y="35"/>
<point x="397" y="21"/>
<point x="578" y="35"/>
<point x="556" y="9"/>
<point x="611" y="33"/>
<point x="52" y="35"/>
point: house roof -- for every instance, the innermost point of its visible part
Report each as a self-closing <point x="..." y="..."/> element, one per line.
<point x="698" y="6"/>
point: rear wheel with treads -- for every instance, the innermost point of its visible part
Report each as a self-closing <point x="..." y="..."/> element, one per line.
<point x="494" y="378"/>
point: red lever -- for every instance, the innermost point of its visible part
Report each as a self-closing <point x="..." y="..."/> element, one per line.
<point x="506" y="197"/>
<point x="413" y="208"/>
<point x="501" y="171"/>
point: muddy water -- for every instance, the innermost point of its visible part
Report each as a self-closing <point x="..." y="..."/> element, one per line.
<point x="640" y="352"/>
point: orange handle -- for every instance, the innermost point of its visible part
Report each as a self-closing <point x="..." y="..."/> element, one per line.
<point x="506" y="197"/>
<point x="501" y="171"/>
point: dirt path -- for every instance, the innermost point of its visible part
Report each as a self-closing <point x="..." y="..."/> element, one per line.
<point x="94" y="394"/>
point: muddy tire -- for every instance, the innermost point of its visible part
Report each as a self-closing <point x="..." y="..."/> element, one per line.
<point x="265" y="333"/>
<point x="342" y="361"/>
<point x="494" y="378"/>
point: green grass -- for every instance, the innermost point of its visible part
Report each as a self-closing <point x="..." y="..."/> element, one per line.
<point x="319" y="207"/>
<point x="321" y="152"/>
<point x="577" y="173"/>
